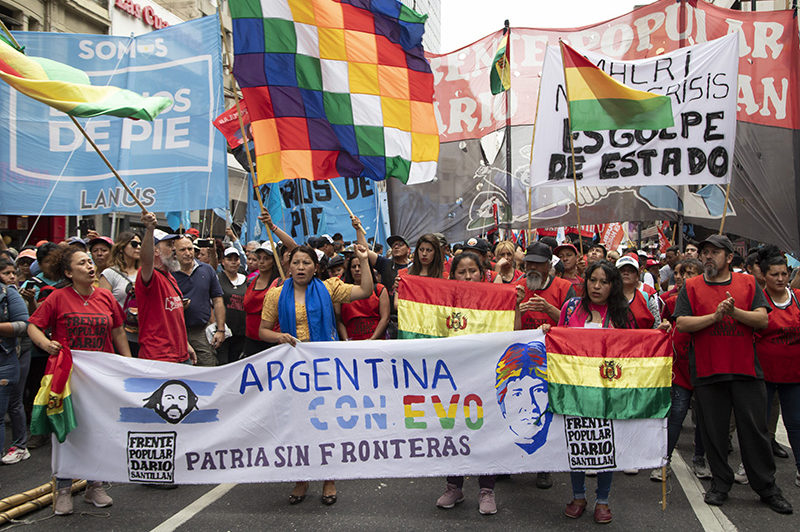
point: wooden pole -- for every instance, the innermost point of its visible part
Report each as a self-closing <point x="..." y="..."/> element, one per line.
<point x="725" y="209"/>
<point x="20" y="498"/>
<point x="88" y="138"/>
<point x="663" y="488"/>
<point x="246" y="148"/>
<point x="572" y="152"/>
<point x="36" y="503"/>
<point x="333" y="187"/>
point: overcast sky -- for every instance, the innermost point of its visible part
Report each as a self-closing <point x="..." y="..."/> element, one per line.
<point x="466" y="21"/>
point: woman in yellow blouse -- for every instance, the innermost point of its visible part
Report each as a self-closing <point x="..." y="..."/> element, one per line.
<point x="303" y="306"/>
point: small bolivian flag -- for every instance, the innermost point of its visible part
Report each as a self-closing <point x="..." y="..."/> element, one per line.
<point x="598" y="102"/>
<point x="52" y="407"/>
<point x="609" y="373"/>
<point x="500" y="74"/>
<point x="436" y="308"/>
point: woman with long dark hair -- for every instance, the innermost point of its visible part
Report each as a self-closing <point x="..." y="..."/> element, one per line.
<point x="254" y="298"/>
<point x="428" y="259"/>
<point x="63" y="313"/>
<point x="303" y="307"/>
<point x="365" y="319"/>
<point x="778" y="345"/>
<point x="602" y="306"/>
<point x="120" y="279"/>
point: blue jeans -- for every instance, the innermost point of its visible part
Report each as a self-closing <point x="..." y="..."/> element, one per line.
<point x="9" y="375"/>
<point x="16" y="410"/>
<point x="604" y="478"/>
<point x="681" y="399"/>
<point x="789" y="395"/>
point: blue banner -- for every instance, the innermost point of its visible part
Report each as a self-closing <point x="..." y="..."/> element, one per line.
<point x="175" y="163"/>
<point x="310" y="208"/>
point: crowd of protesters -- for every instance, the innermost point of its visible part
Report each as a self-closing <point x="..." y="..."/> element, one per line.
<point x="734" y="323"/>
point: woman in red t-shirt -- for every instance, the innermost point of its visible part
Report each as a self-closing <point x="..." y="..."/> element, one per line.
<point x="365" y="319"/>
<point x="778" y="346"/>
<point x="79" y="316"/>
<point x="254" y="298"/>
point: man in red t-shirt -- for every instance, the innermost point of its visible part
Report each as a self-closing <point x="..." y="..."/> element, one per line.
<point x="162" y="330"/>
<point x="544" y="295"/>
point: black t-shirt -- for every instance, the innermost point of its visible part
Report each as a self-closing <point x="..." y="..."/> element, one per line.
<point x="388" y="269"/>
<point x="683" y="307"/>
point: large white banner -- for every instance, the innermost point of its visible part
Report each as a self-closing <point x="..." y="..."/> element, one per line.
<point x="370" y="409"/>
<point x="702" y="83"/>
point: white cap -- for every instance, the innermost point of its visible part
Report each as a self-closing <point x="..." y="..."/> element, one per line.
<point x="265" y="246"/>
<point x="627" y="260"/>
<point x="230" y="251"/>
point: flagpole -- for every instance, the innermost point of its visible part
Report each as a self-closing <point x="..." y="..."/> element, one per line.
<point x="572" y="150"/>
<point x="88" y="138"/>
<point x="507" y="30"/>
<point x="725" y="209"/>
<point x="278" y="260"/>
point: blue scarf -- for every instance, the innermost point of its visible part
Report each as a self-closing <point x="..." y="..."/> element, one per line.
<point x="319" y="311"/>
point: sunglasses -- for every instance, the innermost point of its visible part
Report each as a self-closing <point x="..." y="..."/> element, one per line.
<point x="134" y="244"/>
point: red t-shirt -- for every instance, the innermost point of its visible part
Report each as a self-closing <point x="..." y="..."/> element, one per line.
<point x="78" y="325"/>
<point x="162" y="330"/>
<point x="253" y="304"/>
<point x="556" y="293"/>
<point x="577" y="284"/>
<point x="361" y="317"/>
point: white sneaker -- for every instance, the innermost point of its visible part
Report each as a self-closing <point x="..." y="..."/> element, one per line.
<point x="16" y="454"/>
<point x="655" y="474"/>
<point x="740" y="477"/>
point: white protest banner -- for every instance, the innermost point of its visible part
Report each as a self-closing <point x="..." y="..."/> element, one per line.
<point x="701" y="81"/>
<point x="337" y="410"/>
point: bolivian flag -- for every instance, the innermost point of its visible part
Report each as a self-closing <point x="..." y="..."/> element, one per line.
<point x="436" y="308"/>
<point x="598" y="102"/>
<point x="500" y="74"/>
<point x="69" y="89"/>
<point x="52" y="407"/>
<point x="609" y="373"/>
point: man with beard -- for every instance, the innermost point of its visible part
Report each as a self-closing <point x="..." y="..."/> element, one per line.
<point x="722" y="310"/>
<point x="544" y="295"/>
<point x="173" y="401"/>
<point x="162" y="329"/>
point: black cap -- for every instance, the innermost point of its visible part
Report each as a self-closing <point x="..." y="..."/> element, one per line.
<point x="336" y="260"/>
<point x="538" y="252"/>
<point x="718" y="241"/>
<point x="394" y="238"/>
<point x="478" y="244"/>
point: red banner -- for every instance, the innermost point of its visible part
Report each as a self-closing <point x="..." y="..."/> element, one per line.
<point x="768" y="71"/>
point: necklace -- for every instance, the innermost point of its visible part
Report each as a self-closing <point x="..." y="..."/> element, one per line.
<point x="85" y="299"/>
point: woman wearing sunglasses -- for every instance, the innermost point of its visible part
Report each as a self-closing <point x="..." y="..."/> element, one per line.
<point x="120" y="279"/>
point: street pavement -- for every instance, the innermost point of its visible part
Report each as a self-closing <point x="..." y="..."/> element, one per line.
<point x="409" y="504"/>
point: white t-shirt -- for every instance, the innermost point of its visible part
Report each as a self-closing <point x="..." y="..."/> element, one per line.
<point x="119" y="283"/>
